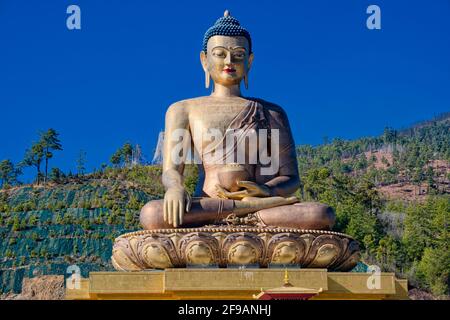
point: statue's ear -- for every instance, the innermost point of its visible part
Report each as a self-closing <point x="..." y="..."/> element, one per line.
<point x="204" y="60"/>
<point x="250" y="60"/>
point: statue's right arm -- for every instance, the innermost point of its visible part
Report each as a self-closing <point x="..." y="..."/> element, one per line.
<point x="176" y="143"/>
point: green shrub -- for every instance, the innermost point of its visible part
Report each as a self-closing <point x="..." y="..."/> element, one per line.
<point x="86" y="224"/>
<point x="9" y="254"/>
<point x="16" y="224"/>
<point x="33" y="220"/>
<point x="434" y="270"/>
<point x="35" y="236"/>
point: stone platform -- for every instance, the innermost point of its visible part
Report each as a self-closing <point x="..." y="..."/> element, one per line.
<point x="229" y="246"/>
<point x="234" y="284"/>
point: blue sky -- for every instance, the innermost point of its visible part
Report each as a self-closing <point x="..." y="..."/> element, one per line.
<point x="111" y="81"/>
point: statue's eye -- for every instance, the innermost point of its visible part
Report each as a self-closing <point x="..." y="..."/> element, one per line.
<point x="239" y="55"/>
<point x="219" y="53"/>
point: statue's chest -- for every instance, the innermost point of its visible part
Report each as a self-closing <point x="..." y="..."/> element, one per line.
<point x="214" y="118"/>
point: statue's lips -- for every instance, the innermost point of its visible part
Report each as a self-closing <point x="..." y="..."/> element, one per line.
<point x="229" y="70"/>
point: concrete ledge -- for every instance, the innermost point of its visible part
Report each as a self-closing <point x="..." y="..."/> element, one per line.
<point x="239" y="284"/>
<point x="242" y="280"/>
<point x="126" y="282"/>
<point x="352" y="282"/>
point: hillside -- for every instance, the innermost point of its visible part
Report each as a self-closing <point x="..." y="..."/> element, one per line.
<point x="45" y="229"/>
<point x="408" y="164"/>
<point x="49" y="229"/>
<point x="392" y="193"/>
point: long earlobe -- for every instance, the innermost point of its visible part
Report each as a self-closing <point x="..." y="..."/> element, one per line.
<point x="250" y="61"/>
<point x="207" y="79"/>
<point x="203" y="60"/>
<point x="205" y="68"/>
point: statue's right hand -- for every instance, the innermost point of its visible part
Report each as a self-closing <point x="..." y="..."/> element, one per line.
<point x="176" y="202"/>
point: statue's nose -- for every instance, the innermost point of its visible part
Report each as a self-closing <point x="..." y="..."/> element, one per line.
<point x="228" y="59"/>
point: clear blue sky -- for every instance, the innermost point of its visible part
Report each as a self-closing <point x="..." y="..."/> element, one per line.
<point x="111" y="81"/>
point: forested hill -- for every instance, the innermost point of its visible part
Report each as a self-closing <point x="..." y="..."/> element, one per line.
<point x="443" y="118"/>
<point x="406" y="164"/>
<point x="392" y="193"/>
<point x="389" y="192"/>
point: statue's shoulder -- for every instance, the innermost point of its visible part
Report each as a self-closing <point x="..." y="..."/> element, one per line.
<point x="186" y="104"/>
<point x="273" y="108"/>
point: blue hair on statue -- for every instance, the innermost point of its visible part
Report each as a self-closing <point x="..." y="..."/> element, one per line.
<point x="226" y="26"/>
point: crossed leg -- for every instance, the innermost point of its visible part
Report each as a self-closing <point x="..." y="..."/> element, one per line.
<point x="305" y="215"/>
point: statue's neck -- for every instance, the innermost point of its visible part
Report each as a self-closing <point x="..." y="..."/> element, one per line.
<point x="224" y="91"/>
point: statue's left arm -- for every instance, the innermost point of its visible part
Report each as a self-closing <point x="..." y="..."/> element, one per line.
<point x="287" y="180"/>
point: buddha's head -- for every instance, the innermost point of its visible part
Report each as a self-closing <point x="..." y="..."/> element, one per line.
<point x="227" y="52"/>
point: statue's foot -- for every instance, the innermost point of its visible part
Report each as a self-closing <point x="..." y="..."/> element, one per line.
<point x="303" y="215"/>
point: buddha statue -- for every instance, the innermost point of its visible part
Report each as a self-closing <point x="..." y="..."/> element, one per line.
<point x="244" y="211"/>
<point x="243" y="146"/>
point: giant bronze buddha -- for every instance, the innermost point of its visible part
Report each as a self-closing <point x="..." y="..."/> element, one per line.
<point x="228" y="185"/>
<point x="248" y="177"/>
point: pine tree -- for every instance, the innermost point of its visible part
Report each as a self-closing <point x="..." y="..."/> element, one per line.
<point x="33" y="158"/>
<point x="81" y="162"/>
<point x="50" y="142"/>
<point x="116" y="158"/>
<point x="56" y="175"/>
<point x="127" y="152"/>
<point x="123" y="155"/>
<point x="8" y="173"/>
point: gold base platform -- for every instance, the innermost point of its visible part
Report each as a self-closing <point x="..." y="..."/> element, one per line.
<point x="225" y="246"/>
<point x="234" y="284"/>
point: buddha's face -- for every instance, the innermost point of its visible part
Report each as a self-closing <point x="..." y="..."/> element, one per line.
<point x="227" y="59"/>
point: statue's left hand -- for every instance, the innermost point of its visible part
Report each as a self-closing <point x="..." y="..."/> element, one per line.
<point x="251" y="189"/>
